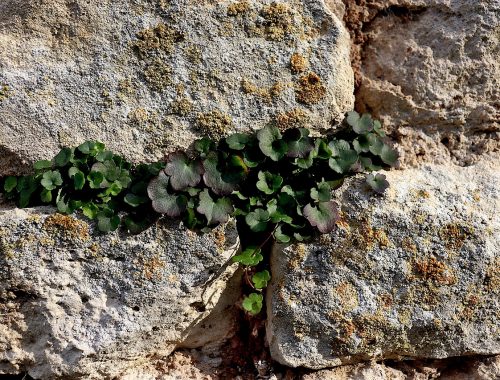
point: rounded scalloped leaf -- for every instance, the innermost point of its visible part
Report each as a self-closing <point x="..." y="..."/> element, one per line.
<point x="251" y="256"/>
<point x="268" y="182"/>
<point x="257" y="220"/>
<point x="237" y="141"/>
<point x="182" y="171"/>
<point x="377" y="182"/>
<point x="323" y="216"/>
<point x="298" y="142"/>
<point x="51" y="179"/>
<point x="321" y="193"/>
<point x="260" y="279"/>
<point x="217" y="211"/>
<point x="388" y="155"/>
<point x="253" y="303"/>
<point x="360" y="124"/>
<point x="271" y="143"/>
<point x="162" y="201"/>
<point x="213" y="177"/>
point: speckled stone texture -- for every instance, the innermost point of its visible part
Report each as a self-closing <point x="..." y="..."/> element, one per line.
<point x="411" y="274"/>
<point x="148" y="76"/>
<point x="430" y="69"/>
<point x="77" y="304"/>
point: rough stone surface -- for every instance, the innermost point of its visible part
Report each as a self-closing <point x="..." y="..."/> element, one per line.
<point x="75" y="303"/>
<point x="430" y="69"/>
<point x="147" y="76"/>
<point x="456" y="369"/>
<point x="412" y="274"/>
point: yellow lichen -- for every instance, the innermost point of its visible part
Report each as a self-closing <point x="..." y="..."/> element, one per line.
<point x="295" y="118"/>
<point x="266" y="93"/>
<point x="158" y="74"/>
<point x="160" y="38"/>
<point x="347" y="296"/>
<point x="67" y="227"/>
<point x="181" y="106"/>
<point x="310" y="90"/>
<point x="278" y="21"/>
<point x="4" y="92"/>
<point x="214" y="124"/>
<point x="454" y="235"/>
<point x="298" y="63"/>
<point x="237" y="8"/>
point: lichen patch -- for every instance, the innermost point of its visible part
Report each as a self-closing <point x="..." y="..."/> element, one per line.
<point x="310" y="90"/>
<point x="67" y="227"/>
<point x="214" y="124"/>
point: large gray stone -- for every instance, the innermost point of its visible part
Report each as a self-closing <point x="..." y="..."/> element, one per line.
<point x="148" y="76"/>
<point x="430" y="69"/>
<point x="411" y="274"/>
<point x="78" y="304"/>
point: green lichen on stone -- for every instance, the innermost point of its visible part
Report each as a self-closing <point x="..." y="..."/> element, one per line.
<point x="214" y="124"/>
<point x="158" y="74"/>
<point x="4" y="92"/>
<point x="161" y="38"/>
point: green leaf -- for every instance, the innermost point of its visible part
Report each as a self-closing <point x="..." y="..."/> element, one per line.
<point x="204" y="146"/>
<point x="235" y="169"/>
<point x="215" y="212"/>
<point x="213" y="177"/>
<point x="107" y="222"/>
<point x="95" y="179"/>
<point x="271" y="144"/>
<point x="46" y="196"/>
<point x="251" y="256"/>
<point x="280" y="236"/>
<point x="90" y="210"/>
<point x="321" y="193"/>
<point x="322" y="150"/>
<point x="276" y="214"/>
<point x="237" y="141"/>
<point x="253" y="303"/>
<point x="343" y="157"/>
<point x="260" y="279"/>
<point x="162" y="201"/>
<point x="105" y="155"/>
<point x="78" y="177"/>
<point x="91" y="148"/>
<point x="42" y="164"/>
<point x="51" y="179"/>
<point x="257" y="220"/>
<point x="269" y="183"/>
<point x="323" y="217"/>
<point x="377" y="127"/>
<point x="375" y="144"/>
<point x="377" y="182"/>
<point x="182" y="171"/>
<point x="305" y="163"/>
<point x="298" y="142"/>
<point x="360" y="125"/>
<point x="388" y="155"/>
<point x="134" y="200"/>
<point x="361" y="144"/>
<point x="63" y="157"/>
<point x="108" y="169"/>
<point x="10" y="184"/>
<point x="368" y="164"/>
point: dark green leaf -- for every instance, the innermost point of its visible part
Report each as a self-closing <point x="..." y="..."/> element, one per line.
<point x="204" y="146"/>
<point x="90" y="210"/>
<point x="10" y="184"/>
<point x="269" y="183"/>
<point x="257" y="220"/>
<point x="237" y="141"/>
<point x="63" y="157"/>
<point x="164" y="202"/>
<point x="215" y="211"/>
<point x="46" y="196"/>
<point x="107" y="222"/>
<point x="377" y="182"/>
<point x="271" y="144"/>
<point x="298" y="142"/>
<point x="95" y="179"/>
<point x="323" y="216"/>
<point x="103" y="156"/>
<point x="360" y="125"/>
<point x="280" y="236"/>
<point x="321" y="193"/>
<point x="91" y="148"/>
<point x="182" y="171"/>
<point x="42" y="164"/>
<point x="51" y="179"/>
<point x="213" y="177"/>
<point x="388" y="155"/>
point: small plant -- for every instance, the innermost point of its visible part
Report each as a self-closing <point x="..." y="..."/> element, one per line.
<point x="278" y="186"/>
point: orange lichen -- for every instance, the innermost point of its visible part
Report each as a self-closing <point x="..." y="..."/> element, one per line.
<point x="295" y="118"/>
<point x="67" y="227"/>
<point x="310" y="90"/>
<point x="298" y="63"/>
<point x="433" y="270"/>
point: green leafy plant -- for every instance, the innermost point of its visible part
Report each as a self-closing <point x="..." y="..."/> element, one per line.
<point x="277" y="184"/>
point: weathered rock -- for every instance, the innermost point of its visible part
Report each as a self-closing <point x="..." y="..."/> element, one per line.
<point x="430" y="70"/>
<point x="482" y="368"/>
<point x="412" y="274"/>
<point x="77" y="303"/>
<point x="147" y="76"/>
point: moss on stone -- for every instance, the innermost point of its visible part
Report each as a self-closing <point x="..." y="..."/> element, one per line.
<point x="266" y="93"/>
<point x="238" y="8"/>
<point x="214" y="124"/>
<point x="310" y="90"/>
<point x="158" y="74"/>
<point x="295" y="118"/>
<point x="4" y="92"/>
<point x="181" y="106"/>
<point x="161" y="38"/>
